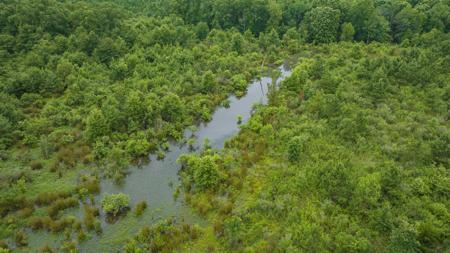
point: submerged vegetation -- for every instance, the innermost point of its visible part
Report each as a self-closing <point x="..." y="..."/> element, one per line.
<point x="350" y="155"/>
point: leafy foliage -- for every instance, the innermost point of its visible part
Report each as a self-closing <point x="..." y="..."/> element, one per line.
<point x="340" y="171"/>
<point x="323" y="24"/>
<point x="351" y="154"/>
<point x="203" y="171"/>
<point x="115" y="203"/>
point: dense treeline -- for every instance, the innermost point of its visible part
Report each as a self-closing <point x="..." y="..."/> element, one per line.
<point x="318" y="21"/>
<point x="351" y="155"/>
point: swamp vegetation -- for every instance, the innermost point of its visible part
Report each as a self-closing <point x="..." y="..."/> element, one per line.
<point x="348" y="153"/>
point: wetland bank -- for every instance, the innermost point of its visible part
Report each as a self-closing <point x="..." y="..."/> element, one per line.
<point x="349" y="153"/>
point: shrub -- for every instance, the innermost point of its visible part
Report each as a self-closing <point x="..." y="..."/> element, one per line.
<point x="98" y="227"/>
<point x="91" y="184"/>
<point x="89" y="221"/>
<point x="295" y="148"/>
<point x="36" y="165"/>
<point x="77" y="225"/>
<point x="160" y="155"/>
<point x="45" y="198"/>
<point x="164" y="236"/>
<point x="21" y="239"/>
<point x="140" y="207"/>
<point x="8" y="205"/>
<point x="89" y="216"/>
<point x="54" y="166"/>
<point x="203" y="204"/>
<point x="61" y="204"/>
<point x="38" y="222"/>
<point x="81" y="236"/>
<point x="4" y="245"/>
<point x="47" y="249"/>
<point x="239" y="119"/>
<point x="94" y="210"/>
<point x="226" y="207"/>
<point x="205" y="172"/>
<point x="60" y="225"/>
<point x="66" y="157"/>
<point x="115" y="203"/>
<point x="26" y="212"/>
<point x="218" y="227"/>
<point x="69" y="246"/>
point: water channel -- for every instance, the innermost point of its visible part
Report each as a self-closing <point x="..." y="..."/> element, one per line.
<point x="157" y="181"/>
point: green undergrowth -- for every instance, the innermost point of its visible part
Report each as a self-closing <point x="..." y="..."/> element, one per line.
<point x="351" y="155"/>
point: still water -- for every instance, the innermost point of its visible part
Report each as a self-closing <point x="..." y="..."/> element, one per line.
<point x="157" y="181"/>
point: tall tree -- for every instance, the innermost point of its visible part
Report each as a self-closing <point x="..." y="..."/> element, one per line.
<point x="322" y="24"/>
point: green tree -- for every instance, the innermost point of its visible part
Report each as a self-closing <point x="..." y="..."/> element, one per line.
<point x="206" y="173"/>
<point x="203" y="171"/>
<point x="172" y="108"/>
<point x="407" y="23"/>
<point x="347" y="32"/>
<point x="438" y="17"/>
<point x="5" y="133"/>
<point x="368" y="23"/>
<point x="269" y="41"/>
<point x="403" y="239"/>
<point x="115" y="203"/>
<point x="322" y="24"/>
<point x="368" y="190"/>
<point x="109" y="49"/>
<point x="135" y="109"/>
<point x="295" y="147"/>
<point x="64" y="69"/>
<point x="377" y="29"/>
<point x="138" y="146"/>
<point x="202" y="30"/>
<point x="113" y="115"/>
<point x="96" y="125"/>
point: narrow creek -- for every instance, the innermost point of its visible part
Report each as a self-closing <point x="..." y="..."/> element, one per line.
<point x="157" y="181"/>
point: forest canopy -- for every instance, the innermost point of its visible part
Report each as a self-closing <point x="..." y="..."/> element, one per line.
<point x="350" y="155"/>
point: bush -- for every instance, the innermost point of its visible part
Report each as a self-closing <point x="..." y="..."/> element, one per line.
<point x="47" y="249"/>
<point x="202" y="204"/>
<point x="38" y="222"/>
<point x="21" y="239"/>
<point x="81" y="236"/>
<point x="89" y="216"/>
<point x="77" y="225"/>
<point x="62" y="224"/>
<point x="8" y="205"/>
<point x="203" y="171"/>
<point x="61" y="204"/>
<point x="218" y="227"/>
<point x="91" y="184"/>
<point x="295" y="148"/>
<point x="226" y="207"/>
<point x="140" y="208"/>
<point x="26" y="212"/>
<point x="115" y="203"/>
<point x="98" y="227"/>
<point x="164" y="236"/>
<point x="45" y="198"/>
<point x="65" y="157"/>
<point x="4" y="245"/>
<point x="36" y="165"/>
<point x="89" y="220"/>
